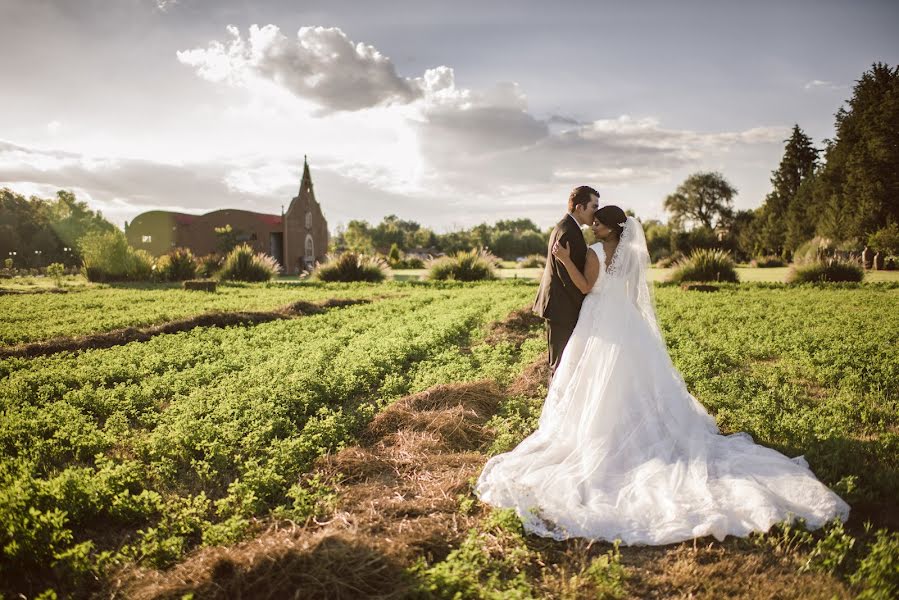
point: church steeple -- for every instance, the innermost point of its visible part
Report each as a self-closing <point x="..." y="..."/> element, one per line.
<point x="306" y="182"/>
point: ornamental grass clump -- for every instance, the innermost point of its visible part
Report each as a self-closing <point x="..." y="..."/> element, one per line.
<point x="465" y="265"/>
<point x="705" y="265"/>
<point x="833" y="270"/>
<point x="244" y="264"/>
<point x="350" y="266"/>
<point x="178" y="265"/>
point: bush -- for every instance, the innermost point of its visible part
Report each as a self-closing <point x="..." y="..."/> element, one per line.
<point x="208" y="265"/>
<point x="177" y="265"/>
<point x="56" y="271"/>
<point x="768" y="262"/>
<point x="886" y="240"/>
<point x="107" y="256"/>
<point x="350" y="266"/>
<point x="244" y="264"/>
<point x="534" y="261"/>
<point x="470" y="265"/>
<point x="823" y="271"/>
<point x="705" y="265"/>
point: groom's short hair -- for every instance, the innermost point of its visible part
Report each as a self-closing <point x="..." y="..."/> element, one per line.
<point x="580" y="195"/>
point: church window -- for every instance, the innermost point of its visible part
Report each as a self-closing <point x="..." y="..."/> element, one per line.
<point x="146" y="239"/>
<point x="308" y="219"/>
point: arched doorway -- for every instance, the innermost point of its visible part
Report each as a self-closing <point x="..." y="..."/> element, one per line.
<point x="309" y="254"/>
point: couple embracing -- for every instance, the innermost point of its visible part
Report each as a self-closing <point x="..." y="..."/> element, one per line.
<point x="622" y="449"/>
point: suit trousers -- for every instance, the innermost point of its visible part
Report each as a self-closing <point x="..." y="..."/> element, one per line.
<point x="557" y="335"/>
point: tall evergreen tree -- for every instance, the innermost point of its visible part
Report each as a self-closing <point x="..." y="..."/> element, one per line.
<point x="782" y="210"/>
<point x="860" y="179"/>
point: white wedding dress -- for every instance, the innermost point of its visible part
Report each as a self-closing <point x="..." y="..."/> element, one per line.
<point x="624" y="451"/>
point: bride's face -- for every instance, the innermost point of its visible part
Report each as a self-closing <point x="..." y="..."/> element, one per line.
<point x="600" y="231"/>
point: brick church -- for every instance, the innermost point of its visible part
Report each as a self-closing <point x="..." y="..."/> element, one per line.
<point x="296" y="239"/>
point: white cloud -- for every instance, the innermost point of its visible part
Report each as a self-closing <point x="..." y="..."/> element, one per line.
<point x="53" y="127"/>
<point x="818" y="84"/>
<point x="321" y="64"/>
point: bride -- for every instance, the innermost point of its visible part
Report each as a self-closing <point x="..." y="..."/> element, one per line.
<point x="622" y="449"/>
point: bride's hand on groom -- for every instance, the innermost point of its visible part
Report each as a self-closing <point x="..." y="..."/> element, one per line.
<point x="563" y="253"/>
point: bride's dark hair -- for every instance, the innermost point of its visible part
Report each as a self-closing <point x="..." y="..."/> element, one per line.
<point x="612" y="217"/>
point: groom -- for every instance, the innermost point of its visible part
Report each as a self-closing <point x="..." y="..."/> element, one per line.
<point x="558" y="299"/>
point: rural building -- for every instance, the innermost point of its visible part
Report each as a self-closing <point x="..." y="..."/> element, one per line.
<point x="296" y="239"/>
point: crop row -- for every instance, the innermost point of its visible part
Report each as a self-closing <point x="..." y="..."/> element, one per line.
<point x="34" y="317"/>
<point x="142" y="451"/>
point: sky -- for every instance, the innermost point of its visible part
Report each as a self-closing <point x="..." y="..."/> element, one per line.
<point x="447" y="113"/>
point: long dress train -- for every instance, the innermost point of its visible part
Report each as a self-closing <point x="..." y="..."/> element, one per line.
<point x="623" y="450"/>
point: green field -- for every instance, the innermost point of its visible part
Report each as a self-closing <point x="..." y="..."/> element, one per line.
<point x="156" y="454"/>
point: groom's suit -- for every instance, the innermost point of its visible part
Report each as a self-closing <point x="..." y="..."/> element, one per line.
<point x="558" y="299"/>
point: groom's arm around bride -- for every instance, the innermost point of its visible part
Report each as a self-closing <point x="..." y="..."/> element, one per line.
<point x="558" y="298"/>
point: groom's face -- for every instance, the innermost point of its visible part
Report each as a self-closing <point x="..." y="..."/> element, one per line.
<point x="584" y="212"/>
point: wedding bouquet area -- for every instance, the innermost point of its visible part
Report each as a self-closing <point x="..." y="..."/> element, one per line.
<point x="323" y="439"/>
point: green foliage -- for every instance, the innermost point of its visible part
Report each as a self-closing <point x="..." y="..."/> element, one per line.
<point x="831" y="551"/>
<point x="7" y="263"/>
<point x="245" y="264"/>
<point x="704" y="199"/>
<point x="54" y="228"/>
<point x="108" y="257"/>
<point x="878" y="573"/>
<point x="825" y="271"/>
<point x="705" y="265"/>
<point x="783" y="204"/>
<point x="489" y="563"/>
<point x="43" y="316"/>
<point x="351" y="267"/>
<point x="886" y="240"/>
<point x="607" y="574"/>
<point x="857" y="194"/>
<point x="507" y="238"/>
<point x="56" y="271"/>
<point x="186" y="439"/>
<point x="516" y="419"/>
<point x="472" y="265"/>
<point x="177" y="265"/>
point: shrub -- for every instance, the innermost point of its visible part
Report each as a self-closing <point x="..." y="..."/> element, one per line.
<point x="177" y="265"/>
<point x="534" y="261"/>
<point x="886" y="240"/>
<point x="107" y="256"/>
<point x="412" y="262"/>
<point x="823" y="271"/>
<point x="767" y="262"/>
<point x="56" y="271"/>
<point x="244" y="264"/>
<point x="471" y="265"/>
<point x="208" y="265"/>
<point x="350" y="266"/>
<point x="705" y="265"/>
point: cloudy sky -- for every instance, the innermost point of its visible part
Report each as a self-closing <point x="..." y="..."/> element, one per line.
<point x="449" y="113"/>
